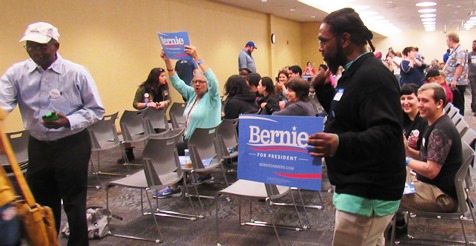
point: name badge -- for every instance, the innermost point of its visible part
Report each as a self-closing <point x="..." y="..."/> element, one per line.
<point x="55" y="93"/>
<point x="338" y="94"/>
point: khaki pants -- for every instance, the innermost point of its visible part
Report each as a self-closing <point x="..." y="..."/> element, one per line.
<point x="428" y="198"/>
<point x="358" y="230"/>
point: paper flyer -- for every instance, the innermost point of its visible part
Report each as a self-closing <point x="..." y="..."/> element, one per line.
<point x="173" y="44"/>
<point x="273" y="150"/>
<point x="409" y="189"/>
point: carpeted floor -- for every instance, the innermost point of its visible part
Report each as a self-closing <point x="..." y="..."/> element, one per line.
<point x="125" y="202"/>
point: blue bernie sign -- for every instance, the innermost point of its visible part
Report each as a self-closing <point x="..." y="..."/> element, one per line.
<point x="173" y="44"/>
<point x="273" y="149"/>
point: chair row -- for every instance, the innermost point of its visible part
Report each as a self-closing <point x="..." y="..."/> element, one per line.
<point x="162" y="167"/>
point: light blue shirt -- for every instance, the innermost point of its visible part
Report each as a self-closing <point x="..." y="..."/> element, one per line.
<point x="64" y="87"/>
<point x="363" y="206"/>
<point x="245" y="60"/>
<point x="205" y="113"/>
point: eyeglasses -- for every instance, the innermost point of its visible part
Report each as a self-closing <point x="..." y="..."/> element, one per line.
<point x="39" y="47"/>
<point x="323" y="41"/>
<point x="199" y="82"/>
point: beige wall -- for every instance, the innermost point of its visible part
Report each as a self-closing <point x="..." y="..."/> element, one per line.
<point x="117" y="41"/>
<point x="310" y="44"/>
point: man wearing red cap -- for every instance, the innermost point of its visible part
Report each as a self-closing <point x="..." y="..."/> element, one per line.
<point x="245" y="60"/>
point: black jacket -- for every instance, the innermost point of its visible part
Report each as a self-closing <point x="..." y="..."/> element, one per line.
<point x="272" y="105"/>
<point x="240" y="104"/>
<point x="370" y="158"/>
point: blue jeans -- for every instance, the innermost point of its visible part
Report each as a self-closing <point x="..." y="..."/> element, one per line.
<point x="9" y="226"/>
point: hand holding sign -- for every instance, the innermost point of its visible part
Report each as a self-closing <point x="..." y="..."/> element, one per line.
<point x="322" y="144"/>
<point x="173" y="45"/>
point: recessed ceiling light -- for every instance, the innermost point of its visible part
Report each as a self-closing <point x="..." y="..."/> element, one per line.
<point x="377" y="17"/>
<point x="425" y="4"/>
<point x="426" y="10"/>
<point x="361" y="7"/>
<point x="364" y="12"/>
<point x="264" y="1"/>
<point x="427" y="15"/>
<point x="428" y="19"/>
<point x="292" y="10"/>
<point x="368" y="13"/>
<point x="313" y="16"/>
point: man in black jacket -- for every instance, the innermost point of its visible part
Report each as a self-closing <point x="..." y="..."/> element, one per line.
<point x="362" y="140"/>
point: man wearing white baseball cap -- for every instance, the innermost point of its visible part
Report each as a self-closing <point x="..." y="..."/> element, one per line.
<point x="58" y="100"/>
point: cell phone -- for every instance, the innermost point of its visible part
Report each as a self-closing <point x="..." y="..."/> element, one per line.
<point x="51" y="116"/>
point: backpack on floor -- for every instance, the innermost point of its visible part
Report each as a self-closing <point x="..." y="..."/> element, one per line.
<point x="98" y="219"/>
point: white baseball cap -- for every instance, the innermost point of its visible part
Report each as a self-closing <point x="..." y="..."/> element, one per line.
<point x="40" y="32"/>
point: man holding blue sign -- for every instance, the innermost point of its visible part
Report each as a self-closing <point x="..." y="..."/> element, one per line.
<point x="362" y="139"/>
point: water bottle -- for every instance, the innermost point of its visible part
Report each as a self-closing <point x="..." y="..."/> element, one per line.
<point x="188" y="161"/>
<point x="146" y="98"/>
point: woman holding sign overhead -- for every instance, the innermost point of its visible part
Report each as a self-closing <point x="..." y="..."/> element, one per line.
<point x="203" y="108"/>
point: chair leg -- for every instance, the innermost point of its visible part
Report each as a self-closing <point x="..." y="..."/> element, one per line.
<point x="155" y="219"/>
<point x="253" y="222"/>
<point x="179" y="215"/>
<point x="297" y="211"/>
<point x="95" y="173"/>
<point x="223" y="172"/>
<point x="470" y="209"/>
<point x="305" y="205"/>
<point x="239" y="211"/>
<point x="99" y="172"/>
<point x="271" y="218"/>
<point x="120" y="218"/>
<point x="188" y="192"/>
<point x="142" y="201"/>
<point x="217" y="203"/>
<point x="107" y="198"/>
<point x="394" y="230"/>
<point x="464" y="231"/>
<point x="197" y="213"/>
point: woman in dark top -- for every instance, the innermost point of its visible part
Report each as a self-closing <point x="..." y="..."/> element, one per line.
<point x="239" y="98"/>
<point x="154" y="92"/>
<point x="411" y="69"/>
<point x="298" y="99"/>
<point x="268" y="100"/>
<point x="413" y="125"/>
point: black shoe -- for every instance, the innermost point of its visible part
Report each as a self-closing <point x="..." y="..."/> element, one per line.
<point x="401" y="231"/>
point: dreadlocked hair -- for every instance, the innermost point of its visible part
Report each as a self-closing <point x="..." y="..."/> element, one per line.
<point x="347" y="20"/>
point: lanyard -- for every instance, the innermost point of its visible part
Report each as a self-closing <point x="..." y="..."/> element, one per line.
<point x="190" y="111"/>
